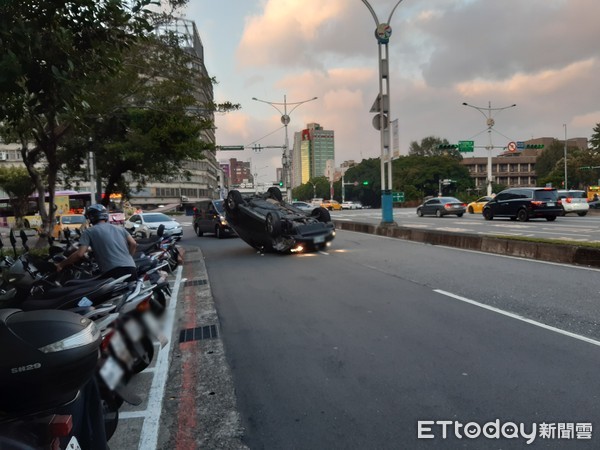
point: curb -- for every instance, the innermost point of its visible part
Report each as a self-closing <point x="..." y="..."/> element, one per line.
<point x="560" y="253"/>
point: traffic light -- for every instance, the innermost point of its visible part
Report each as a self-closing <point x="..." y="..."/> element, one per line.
<point x="534" y="146"/>
<point x="447" y="146"/>
<point x="365" y="183"/>
<point x="281" y="184"/>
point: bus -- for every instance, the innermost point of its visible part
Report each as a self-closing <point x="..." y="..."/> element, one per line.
<point x="593" y="192"/>
<point x="66" y="202"/>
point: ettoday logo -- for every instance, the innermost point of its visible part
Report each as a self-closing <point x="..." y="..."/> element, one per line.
<point x="430" y="429"/>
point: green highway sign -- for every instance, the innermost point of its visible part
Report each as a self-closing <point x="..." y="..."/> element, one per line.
<point x="466" y="146"/>
<point x="398" y="197"/>
<point x="230" y="147"/>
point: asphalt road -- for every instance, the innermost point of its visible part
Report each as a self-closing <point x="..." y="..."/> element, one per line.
<point x="569" y="228"/>
<point x="351" y="348"/>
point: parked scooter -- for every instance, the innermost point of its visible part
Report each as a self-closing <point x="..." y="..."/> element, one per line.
<point x="47" y="360"/>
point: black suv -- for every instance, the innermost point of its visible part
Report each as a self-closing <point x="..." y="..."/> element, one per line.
<point x="524" y="204"/>
<point x="209" y="217"/>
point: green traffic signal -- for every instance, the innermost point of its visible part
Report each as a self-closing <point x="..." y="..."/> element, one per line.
<point x="534" y="146"/>
<point x="447" y="146"/>
<point x="281" y="184"/>
<point x="365" y="183"/>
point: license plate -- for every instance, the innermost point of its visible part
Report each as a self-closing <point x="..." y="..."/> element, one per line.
<point x="111" y="373"/>
<point x="319" y="239"/>
<point x="550" y="204"/>
<point x="120" y="348"/>
<point x="154" y="329"/>
<point x="133" y="330"/>
<point x="73" y="444"/>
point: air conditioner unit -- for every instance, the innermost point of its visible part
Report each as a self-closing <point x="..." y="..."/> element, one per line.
<point x="3" y="156"/>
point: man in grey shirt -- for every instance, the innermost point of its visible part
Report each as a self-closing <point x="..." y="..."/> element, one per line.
<point x="113" y="246"/>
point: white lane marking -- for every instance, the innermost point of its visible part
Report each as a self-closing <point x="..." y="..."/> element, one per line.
<point x="518" y="317"/>
<point x="149" y="435"/>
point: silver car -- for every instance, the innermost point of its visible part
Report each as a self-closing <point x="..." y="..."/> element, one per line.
<point x="146" y="225"/>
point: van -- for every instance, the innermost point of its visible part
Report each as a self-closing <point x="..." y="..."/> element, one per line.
<point x="523" y="204"/>
<point x="209" y="217"/>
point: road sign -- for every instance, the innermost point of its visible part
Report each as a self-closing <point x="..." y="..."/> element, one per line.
<point x="520" y="145"/>
<point x="512" y="147"/>
<point x="398" y="197"/>
<point x="377" y="122"/>
<point x="230" y="147"/>
<point x="466" y="146"/>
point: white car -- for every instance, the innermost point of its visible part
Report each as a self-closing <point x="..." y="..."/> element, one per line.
<point x="146" y="225"/>
<point x="351" y="205"/>
<point x="306" y="207"/>
<point x="574" y="201"/>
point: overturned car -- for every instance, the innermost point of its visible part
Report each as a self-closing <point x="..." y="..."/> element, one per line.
<point x="267" y="223"/>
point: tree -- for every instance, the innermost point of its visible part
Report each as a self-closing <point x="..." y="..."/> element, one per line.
<point x="595" y="139"/>
<point x="19" y="186"/>
<point x="52" y="52"/>
<point x="317" y="187"/>
<point x="429" y="146"/>
<point x="546" y="162"/>
<point x="146" y="120"/>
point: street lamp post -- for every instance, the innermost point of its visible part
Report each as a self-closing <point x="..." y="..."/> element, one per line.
<point x="286" y="157"/>
<point x="565" y="151"/>
<point x="490" y="125"/>
<point x="381" y="122"/>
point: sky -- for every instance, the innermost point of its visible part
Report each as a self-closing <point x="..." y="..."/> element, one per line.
<point x="541" y="55"/>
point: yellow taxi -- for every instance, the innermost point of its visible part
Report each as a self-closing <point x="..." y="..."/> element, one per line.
<point x="68" y="221"/>
<point x="331" y="205"/>
<point x="477" y="206"/>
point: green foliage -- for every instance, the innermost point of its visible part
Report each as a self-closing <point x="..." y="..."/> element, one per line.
<point x="17" y="183"/>
<point x="52" y="53"/>
<point x="594" y="142"/>
<point x="317" y="187"/>
<point x="145" y="122"/>
<point x="434" y="146"/>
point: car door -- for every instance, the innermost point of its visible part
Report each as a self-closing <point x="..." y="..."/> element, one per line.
<point x="500" y="204"/>
<point x="431" y="206"/>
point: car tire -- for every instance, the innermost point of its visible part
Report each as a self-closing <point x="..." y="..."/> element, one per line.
<point x="582" y="214"/>
<point x="275" y="193"/>
<point x="487" y="214"/>
<point x="470" y="210"/>
<point x="218" y="232"/>
<point x="550" y="218"/>
<point x="419" y="212"/>
<point x="438" y="213"/>
<point x="459" y="215"/>
<point x="273" y="224"/>
<point x="321" y="214"/>
<point x="234" y="200"/>
<point x="199" y="232"/>
<point x="522" y="215"/>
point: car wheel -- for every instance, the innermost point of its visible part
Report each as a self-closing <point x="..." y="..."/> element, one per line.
<point x="487" y="214"/>
<point x="26" y="223"/>
<point x="275" y="193"/>
<point x="522" y="215"/>
<point x="218" y="232"/>
<point x="550" y="218"/>
<point x="471" y="210"/>
<point x="199" y="232"/>
<point x="459" y="215"/>
<point x="321" y="214"/>
<point x="273" y="224"/>
<point x="438" y="213"/>
<point x="419" y="212"/>
<point x="581" y="214"/>
<point x="234" y="200"/>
